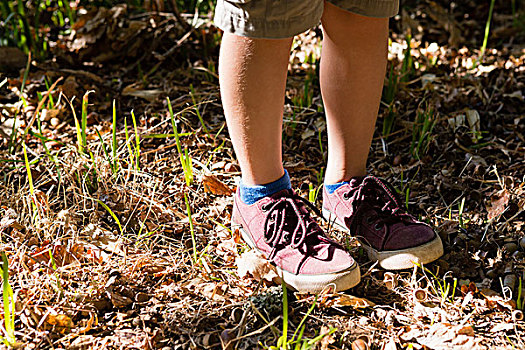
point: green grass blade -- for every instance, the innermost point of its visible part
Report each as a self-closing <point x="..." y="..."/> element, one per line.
<point x="192" y="95"/>
<point x="304" y="319"/>
<point x="285" y="316"/>
<point x="128" y="144"/>
<point x="112" y="215"/>
<point x="29" y="178"/>
<point x="105" y="150"/>
<point x="114" y="144"/>
<point x="487" y="31"/>
<point x="192" y="230"/>
<point x="137" y="141"/>
<point x="188" y="175"/>
<point x="9" y="318"/>
<point x="83" y="125"/>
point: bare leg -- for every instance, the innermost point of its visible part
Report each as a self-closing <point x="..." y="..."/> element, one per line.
<point x="353" y="65"/>
<point x="252" y="75"/>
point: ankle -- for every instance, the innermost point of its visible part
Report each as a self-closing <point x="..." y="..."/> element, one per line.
<point x="336" y="177"/>
<point x="253" y="193"/>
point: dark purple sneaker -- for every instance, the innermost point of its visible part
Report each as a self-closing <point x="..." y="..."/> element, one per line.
<point x="280" y="227"/>
<point x="369" y="209"/>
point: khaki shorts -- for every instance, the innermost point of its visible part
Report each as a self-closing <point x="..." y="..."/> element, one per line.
<point x="275" y="19"/>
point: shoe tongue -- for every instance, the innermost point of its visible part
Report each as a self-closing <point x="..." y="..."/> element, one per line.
<point x="356" y="181"/>
<point x="282" y="193"/>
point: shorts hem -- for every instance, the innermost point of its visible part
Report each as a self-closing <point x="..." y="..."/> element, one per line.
<point x="261" y="28"/>
<point x="369" y="8"/>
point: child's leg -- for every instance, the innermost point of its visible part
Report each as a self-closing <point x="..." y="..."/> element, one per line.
<point x="253" y="79"/>
<point x="353" y="67"/>
<point x="273" y="219"/>
<point x="352" y="71"/>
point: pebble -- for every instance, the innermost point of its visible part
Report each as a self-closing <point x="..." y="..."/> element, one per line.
<point x="359" y="344"/>
<point x="510" y="281"/>
<point x="397" y="160"/>
<point x="236" y="315"/>
<point x="364" y="321"/>
<point x="210" y="339"/>
<point x="517" y="315"/>
<point x="511" y="247"/>
<point x="522" y="242"/>
<point x="420" y="295"/>
<point x="491" y="274"/>
<point x="230" y="168"/>
<point x="227" y="336"/>
<point x="141" y="297"/>
<point x="54" y="122"/>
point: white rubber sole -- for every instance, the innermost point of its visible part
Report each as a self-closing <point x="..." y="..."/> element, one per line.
<point x="303" y="283"/>
<point x="396" y="259"/>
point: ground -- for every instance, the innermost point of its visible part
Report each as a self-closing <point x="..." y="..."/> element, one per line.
<point x="117" y="171"/>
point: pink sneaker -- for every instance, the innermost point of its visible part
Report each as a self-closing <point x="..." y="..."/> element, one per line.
<point x="280" y="227"/>
<point x="368" y="209"/>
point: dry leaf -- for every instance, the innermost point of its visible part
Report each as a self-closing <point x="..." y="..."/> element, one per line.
<point x="215" y="186"/>
<point x="390" y="345"/>
<point x="327" y="339"/>
<point x="350" y="300"/>
<point x="474" y="123"/>
<point x="136" y="91"/>
<point x="410" y="332"/>
<point x="63" y="323"/>
<point x="227" y="250"/>
<point x="255" y="264"/>
<point x="494" y="299"/>
<point x="501" y="327"/>
<point x="210" y="290"/>
<point x="118" y="300"/>
<point x="498" y="204"/>
<point x="82" y="342"/>
<point x="444" y="336"/>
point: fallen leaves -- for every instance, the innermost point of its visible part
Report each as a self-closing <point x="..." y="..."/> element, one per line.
<point x="350" y="300"/>
<point x="209" y="290"/>
<point x="150" y="255"/>
<point x="56" y="255"/>
<point x="443" y="336"/>
<point x="136" y="90"/>
<point x="62" y="323"/>
<point x="253" y="263"/>
<point x="494" y="300"/>
<point x="328" y="299"/>
<point x="215" y="186"/>
<point x="498" y="204"/>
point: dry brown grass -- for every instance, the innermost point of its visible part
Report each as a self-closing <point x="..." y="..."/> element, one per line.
<point x="82" y="282"/>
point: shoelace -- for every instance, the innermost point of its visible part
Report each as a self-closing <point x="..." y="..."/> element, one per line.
<point x="275" y="222"/>
<point x="374" y="190"/>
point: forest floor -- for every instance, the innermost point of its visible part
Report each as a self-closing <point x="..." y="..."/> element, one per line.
<point x="115" y="213"/>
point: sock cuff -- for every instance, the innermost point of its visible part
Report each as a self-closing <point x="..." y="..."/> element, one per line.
<point x="251" y="194"/>
<point x="331" y="188"/>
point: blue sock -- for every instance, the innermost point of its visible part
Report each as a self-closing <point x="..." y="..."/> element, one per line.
<point x="332" y="187"/>
<point x="251" y="194"/>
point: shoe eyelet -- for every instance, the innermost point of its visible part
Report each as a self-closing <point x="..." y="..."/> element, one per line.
<point x="346" y="196"/>
<point x="378" y="227"/>
<point x="369" y="220"/>
<point x="265" y="207"/>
